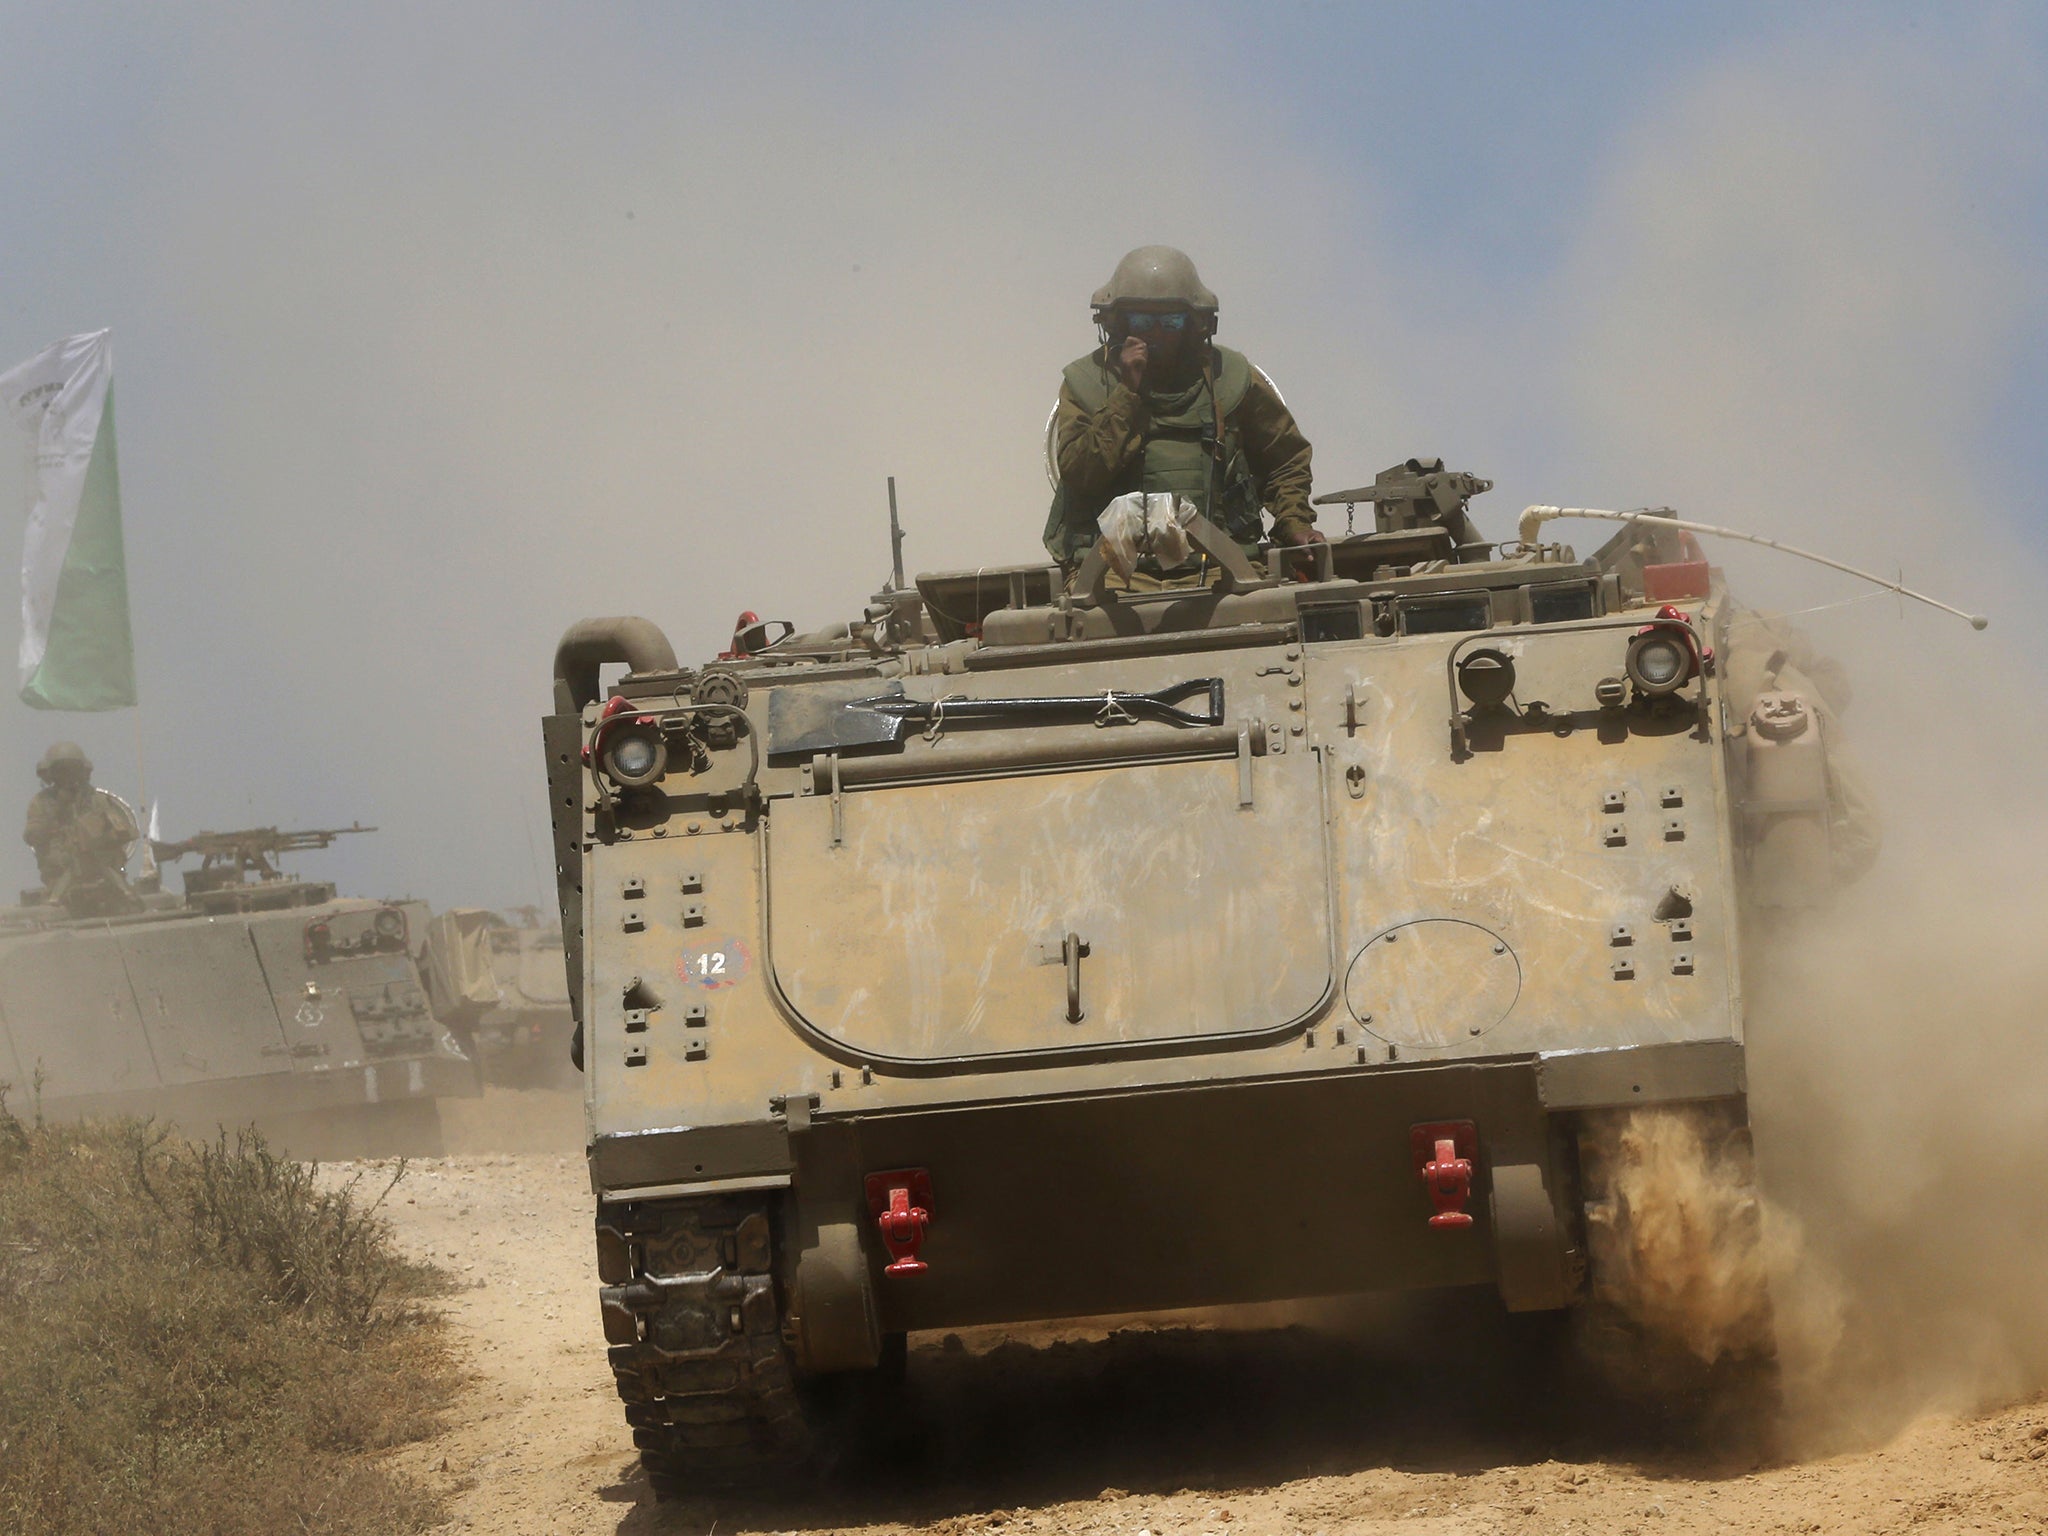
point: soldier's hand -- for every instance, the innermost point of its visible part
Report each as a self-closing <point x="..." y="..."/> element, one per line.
<point x="1301" y="535"/>
<point x="1130" y="362"/>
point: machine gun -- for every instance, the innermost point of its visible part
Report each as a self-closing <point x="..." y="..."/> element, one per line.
<point x="1418" y="496"/>
<point x="235" y="858"/>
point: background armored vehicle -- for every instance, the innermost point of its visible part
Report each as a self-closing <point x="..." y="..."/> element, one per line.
<point x="1032" y="948"/>
<point x="253" y="997"/>
<point x="500" y="985"/>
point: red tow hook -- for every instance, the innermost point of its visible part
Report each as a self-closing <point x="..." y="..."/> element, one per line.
<point x="901" y="1202"/>
<point x="1443" y="1154"/>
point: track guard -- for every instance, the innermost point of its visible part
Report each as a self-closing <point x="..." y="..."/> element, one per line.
<point x="834" y="1318"/>
<point x="1528" y="1242"/>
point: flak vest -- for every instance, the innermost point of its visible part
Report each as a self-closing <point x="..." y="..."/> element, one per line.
<point x="1182" y="454"/>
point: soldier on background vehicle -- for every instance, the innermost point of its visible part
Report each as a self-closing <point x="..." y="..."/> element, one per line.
<point x="81" y="836"/>
<point x="1159" y="407"/>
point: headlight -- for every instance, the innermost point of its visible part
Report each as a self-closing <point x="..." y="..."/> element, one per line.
<point x="635" y="755"/>
<point x="390" y="924"/>
<point x="1486" y="677"/>
<point x="1659" y="662"/>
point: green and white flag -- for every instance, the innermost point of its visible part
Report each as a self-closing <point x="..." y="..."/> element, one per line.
<point x="76" y="651"/>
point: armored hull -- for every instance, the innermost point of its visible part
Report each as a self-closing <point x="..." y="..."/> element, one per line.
<point x="501" y="987"/>
<point x="1046" y="949"/>
<point x="279" y="1004"/>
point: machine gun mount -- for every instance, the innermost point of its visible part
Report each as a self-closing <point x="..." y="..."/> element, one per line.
<point x="245" y="856"/>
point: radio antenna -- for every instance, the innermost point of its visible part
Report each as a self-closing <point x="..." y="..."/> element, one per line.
<point x="1533" y="519"/>
<point x="895" y="541"/>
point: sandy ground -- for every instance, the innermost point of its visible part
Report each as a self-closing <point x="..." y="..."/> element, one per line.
<point x="1370" y="1421"/>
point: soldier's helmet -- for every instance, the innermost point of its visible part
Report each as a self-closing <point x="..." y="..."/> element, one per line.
<point x="65" y="759"/>
<point x="1156" y="276"/>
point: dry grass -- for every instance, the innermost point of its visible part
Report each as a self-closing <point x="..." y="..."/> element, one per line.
<point x="202" y="1339"/>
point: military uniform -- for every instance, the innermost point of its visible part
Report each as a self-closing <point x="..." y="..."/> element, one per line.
<point x="1214" y="432"/>
<point x="81" y="836"/>
<point x="1109" y="439"/>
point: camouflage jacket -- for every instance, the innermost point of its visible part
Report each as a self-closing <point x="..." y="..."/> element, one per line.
<point x="1094" y="452"/>
<point x="81" y="835"/>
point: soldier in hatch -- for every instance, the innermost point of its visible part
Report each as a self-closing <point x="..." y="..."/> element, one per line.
<point x="1160" y="407"/>
<point x="81" y="836"/>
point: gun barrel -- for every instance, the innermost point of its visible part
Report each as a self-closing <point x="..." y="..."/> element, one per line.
<point x="251" y="843"/>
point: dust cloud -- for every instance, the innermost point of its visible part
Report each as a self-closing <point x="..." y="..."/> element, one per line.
<point x="1899" y="1072"/>
<point x="1769" y="347"/>
<point x="1694" y="1267"/>
<point x="440" y="329"/>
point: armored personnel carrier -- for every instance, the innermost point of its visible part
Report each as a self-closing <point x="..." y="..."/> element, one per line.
<point x="1034" y="947"/>
<point x="253" y="997"/>
<point x="497" y="980"/>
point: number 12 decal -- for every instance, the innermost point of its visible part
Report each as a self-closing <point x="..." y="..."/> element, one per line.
<point x="717" y="961"/>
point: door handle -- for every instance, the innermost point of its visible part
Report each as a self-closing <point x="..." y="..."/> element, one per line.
<point x="1073" y="950"/>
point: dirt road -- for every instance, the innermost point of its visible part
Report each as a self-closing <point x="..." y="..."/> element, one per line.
<point x="1371" y="1421"/>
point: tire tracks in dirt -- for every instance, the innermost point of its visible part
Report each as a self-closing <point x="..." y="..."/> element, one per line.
<point x="1361" y="1419"/>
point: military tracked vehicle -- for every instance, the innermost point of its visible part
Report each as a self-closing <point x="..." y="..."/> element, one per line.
<point x="252" y="997"/>
<point x="498" y="982"/>
<point x="1033" y="947"/>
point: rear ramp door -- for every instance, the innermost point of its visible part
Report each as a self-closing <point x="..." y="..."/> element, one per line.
<point x="1009" y="922"/>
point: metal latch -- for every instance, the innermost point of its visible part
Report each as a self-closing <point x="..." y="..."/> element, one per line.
<point x="1071" y="950"/>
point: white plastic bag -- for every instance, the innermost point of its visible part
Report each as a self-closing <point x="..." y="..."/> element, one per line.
<point x="1138" y="525"/>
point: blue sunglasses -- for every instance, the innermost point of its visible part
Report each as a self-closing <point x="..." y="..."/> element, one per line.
<point x="1141" y="322"/>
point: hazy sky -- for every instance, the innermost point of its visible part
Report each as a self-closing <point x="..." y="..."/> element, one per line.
<point x="438" y="327"/>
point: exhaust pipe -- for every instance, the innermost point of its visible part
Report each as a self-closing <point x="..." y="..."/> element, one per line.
<point x="589" y="643"/>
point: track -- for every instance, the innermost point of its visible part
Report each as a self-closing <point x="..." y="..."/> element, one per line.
<point x="1359" y="1420"/>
